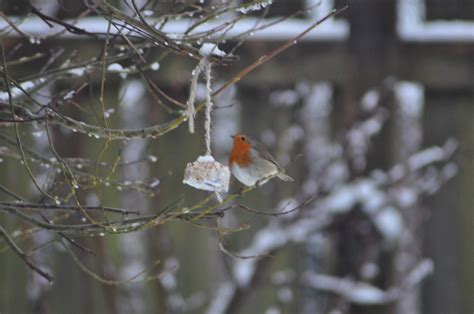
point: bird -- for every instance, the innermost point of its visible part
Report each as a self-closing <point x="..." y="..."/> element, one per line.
<point x="251" y="163"/>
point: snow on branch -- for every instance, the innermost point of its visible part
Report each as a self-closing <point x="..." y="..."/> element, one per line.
<point x="363" y="293"/>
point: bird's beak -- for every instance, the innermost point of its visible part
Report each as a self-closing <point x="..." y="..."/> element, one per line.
<point x="232" y="136"/>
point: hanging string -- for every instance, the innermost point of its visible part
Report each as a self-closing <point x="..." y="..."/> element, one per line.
<point x="207" y="118"/>
<point x="191" y="111"/>
<point x="207" y="121"/>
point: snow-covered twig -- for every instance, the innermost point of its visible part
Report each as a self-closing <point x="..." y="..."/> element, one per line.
<point x="363" y="293"/>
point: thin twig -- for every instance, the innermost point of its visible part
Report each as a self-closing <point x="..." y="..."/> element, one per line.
<point x="305" y="203"/>
<point x="18" y="251"/>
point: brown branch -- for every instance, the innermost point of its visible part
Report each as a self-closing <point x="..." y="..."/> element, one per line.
<point x="18" y="251"/>
<point x="68" y="207"/>
<point x="69" y="27"/>
<point x="305" y="203"/>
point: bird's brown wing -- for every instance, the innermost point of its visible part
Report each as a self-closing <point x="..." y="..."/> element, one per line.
<point x="263" y="152"/>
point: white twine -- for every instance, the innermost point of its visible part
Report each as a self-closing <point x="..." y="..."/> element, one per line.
<point x="218" y="196"/>
<point x="207" y="121"/>
<point x="191" y="111"/>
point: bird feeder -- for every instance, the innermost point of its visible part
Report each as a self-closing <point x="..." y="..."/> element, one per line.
<point x="205" y="173"/>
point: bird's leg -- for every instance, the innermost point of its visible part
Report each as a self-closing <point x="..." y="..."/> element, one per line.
<point x="261" y="182"/>
<point x="241" y="191"/>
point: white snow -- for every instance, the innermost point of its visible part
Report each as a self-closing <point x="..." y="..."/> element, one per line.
<point x="318" y="102"/>
<point x="206" y="158"/>
<point x="356" y="292"/>
<point x="397" y="172"/>
<point x="35" y="40"/>
<point x="70" y="95"/>
<point x="115" y="67"/>
<point x="292" y="134"/>
<point x="155" y="66"/>
<point x="335" y="30"/>
<point x="310" y="186"/>
<point x="147" y="12"/>
<point x="370" y="100"/>
<point x="366" y="192"/>
<point x="374" y="202"/>
<point x="283" y="276"/>
<point x="340" y="201"/>
<point x="284" y="98"/>
<point x="449" y="170"/>
<point x="109" y="112"/>
<point x="265" y="240"/>
<point x="314" y="116"/>
<point x="201" y="91"/>
<point x="317" y="9"/>
<point x="406" y="197"/>
<point x="131" y="93"/>
<point x="337" y="172"/>
<point x="16" y="92"/>
<point x="78" y="71"/>
<point x="208" y="49"/>
<point x="285" y="295"/>
<point x="425" y="157"/>
<point x="268" y="137"/>
<point x="287" y="204"/>
<point x="243" y="272"/>
<point x="273" y="310"/>
<point x="379" y="176"/>
<point x="269" y="238"/>
<point x="410" y="102"/>
<point x="371" y="126"/>
<point x="411" y="25"/>
<point x="410" y="98"/>
<point x="155" y="183"/>
<point x="254" y="6"/>
<point x="389" y="223"/>
<point x="222" y="298"/>
<point x="152" y="158"/>
<point x="47" y="7"/>
<point x="366" y="189"/>
<point x="417" y="274"/>
<point x="369" y="270"/>
<point x="168" y="280"/>
<point x="366" y="294"/>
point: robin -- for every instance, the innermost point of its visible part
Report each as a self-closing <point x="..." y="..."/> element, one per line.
<point x="251" y="163"/>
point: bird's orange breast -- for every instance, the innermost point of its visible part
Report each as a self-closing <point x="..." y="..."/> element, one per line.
<point x="240" y="154"/>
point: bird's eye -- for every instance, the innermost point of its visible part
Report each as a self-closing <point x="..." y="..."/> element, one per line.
<point x="242" y="138"/>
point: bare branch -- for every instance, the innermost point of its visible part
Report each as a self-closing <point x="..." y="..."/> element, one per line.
<point x="16" y="249"/>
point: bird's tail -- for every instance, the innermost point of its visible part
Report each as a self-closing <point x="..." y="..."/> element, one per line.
<point x="284" y="176"/>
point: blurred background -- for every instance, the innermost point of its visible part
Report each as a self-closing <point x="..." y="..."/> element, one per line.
<point x="371" y="113"/>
